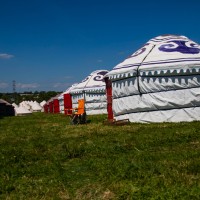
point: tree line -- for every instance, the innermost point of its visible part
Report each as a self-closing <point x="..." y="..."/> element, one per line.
<point x="28" y="96"/>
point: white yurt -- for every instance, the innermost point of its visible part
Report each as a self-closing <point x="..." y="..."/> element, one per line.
<point x="158" y="83"/>
<point x="92" y="89"/>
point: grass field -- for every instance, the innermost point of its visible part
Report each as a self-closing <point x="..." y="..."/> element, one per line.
<point x="43" y="157"/>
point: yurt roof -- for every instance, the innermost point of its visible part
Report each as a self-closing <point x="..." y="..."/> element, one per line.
<point x="93" y="83"/>
<point x="15" y="105"/>
<point x="161" y="56"/>
<point x="4" y="102"/>
<point x="67" y="91"/>
<point x="52" y="98"/>
<point x="42" y="103"/>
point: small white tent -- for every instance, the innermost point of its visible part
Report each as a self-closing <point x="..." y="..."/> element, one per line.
<point x="25" y="105"/>
<point x="158" y="83"/>
<point x="92" y="89"/>
<point x="35" y="106"/>
<point x="20" y="111"/>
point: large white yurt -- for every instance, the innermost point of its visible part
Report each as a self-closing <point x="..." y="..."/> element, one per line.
<point x="92" y="89"/>
<point x="158" y="83"/>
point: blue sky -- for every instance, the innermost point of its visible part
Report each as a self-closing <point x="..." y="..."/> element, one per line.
<point x="51" y="44"/>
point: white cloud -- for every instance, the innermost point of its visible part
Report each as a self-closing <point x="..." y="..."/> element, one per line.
<point x="5" y="56"/>
<point x="27" y="85"/>
<point x="3" y="85"/>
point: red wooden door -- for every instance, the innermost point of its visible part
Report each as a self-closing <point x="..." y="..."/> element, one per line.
<point x="45" y="108"/>
<point x="67" y="103"/>
<point x="51" y="107"/>
<point x="56" y="108"/>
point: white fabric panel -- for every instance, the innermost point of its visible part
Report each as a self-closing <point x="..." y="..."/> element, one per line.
<point x="95" y="97"/>
<point x="125" y="87"/>
<point x="76" y="97"/>
<point x="157" y="101"/>
<point x="61" y="105"/>
<point x="95" y="106"/>
<point x="174" y="115"/>
<point x="155" y="84"/>
<point x="94" y="103"/>
<point x="129" y="86"/>
<point x="97" y="112"/>
<point x="62" y="109"/>
<point x="74" y="105"/>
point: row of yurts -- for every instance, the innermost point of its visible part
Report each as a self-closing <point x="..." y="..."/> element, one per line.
<point x="158" y="83"/>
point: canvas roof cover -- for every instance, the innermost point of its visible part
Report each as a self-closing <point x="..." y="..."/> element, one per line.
<point x="61" y="96"/>
<point x="162" y="55"/>
<point x="92" y="83"/>
<point x="4" y="102"/>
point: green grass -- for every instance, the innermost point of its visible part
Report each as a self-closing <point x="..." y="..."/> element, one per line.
<point x="43" y="157"/>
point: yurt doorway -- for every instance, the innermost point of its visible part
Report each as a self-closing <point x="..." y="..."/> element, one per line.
<point x="67" y="102"/>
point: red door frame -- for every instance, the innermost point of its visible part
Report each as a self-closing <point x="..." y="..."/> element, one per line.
<point x="109" y="98"/>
